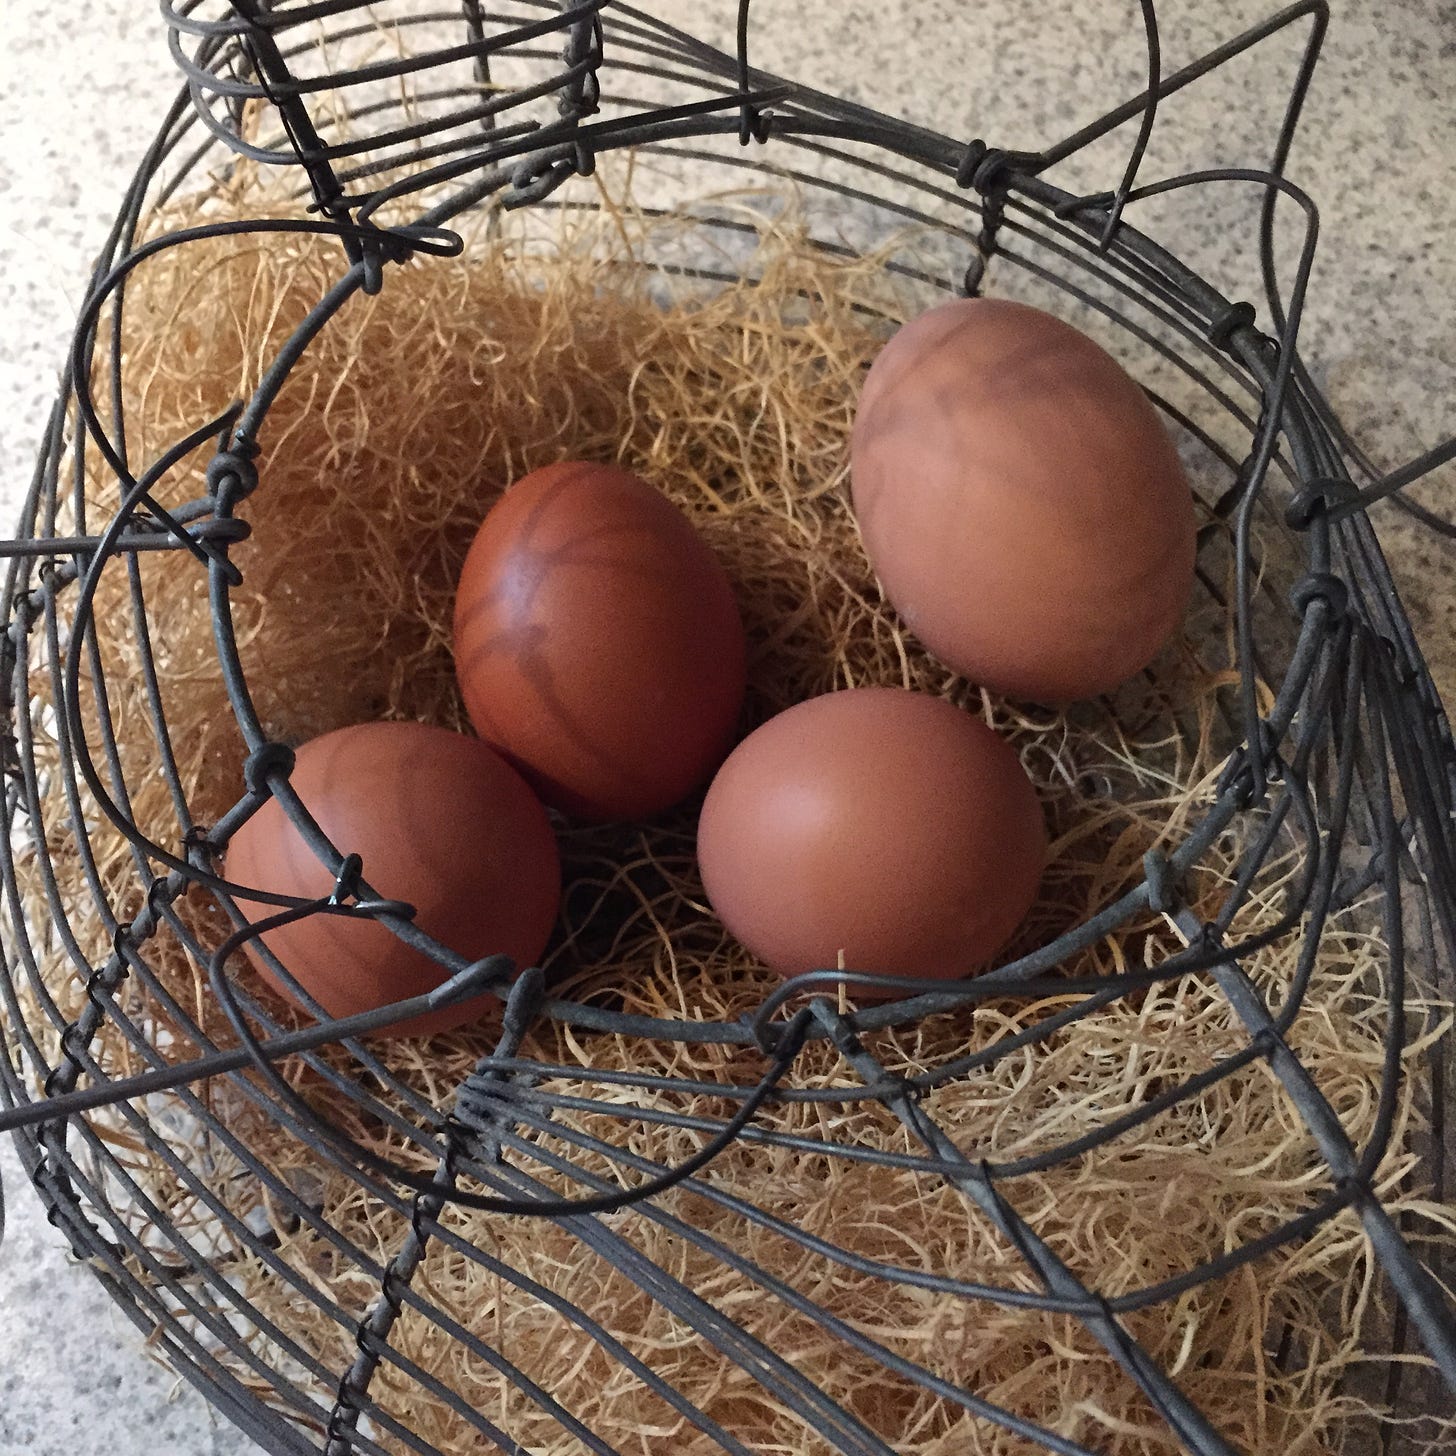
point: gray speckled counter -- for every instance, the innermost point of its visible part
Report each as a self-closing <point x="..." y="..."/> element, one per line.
<point x="1376" y="151"/>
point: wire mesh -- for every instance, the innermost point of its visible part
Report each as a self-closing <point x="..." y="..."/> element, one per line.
<point x="399" y="120"/>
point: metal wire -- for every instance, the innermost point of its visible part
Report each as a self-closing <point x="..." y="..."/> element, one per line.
<point x="1354" y="761"/>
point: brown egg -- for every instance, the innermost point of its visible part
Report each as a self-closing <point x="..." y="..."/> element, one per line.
<point x="1020" y="501"/>
<point x="885" y="826"/>
<point x="597" y="642"/>
<point x="440" y="821"/>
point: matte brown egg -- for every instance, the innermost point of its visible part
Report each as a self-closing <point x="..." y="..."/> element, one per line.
<point x="442" y="822"/>
<point x="883" y="826"/>
<point x="1020" y="501"/>
<point x="598" y="643"/>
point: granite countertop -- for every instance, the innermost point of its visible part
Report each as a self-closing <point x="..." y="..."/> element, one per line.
<point x="80" y="99"/>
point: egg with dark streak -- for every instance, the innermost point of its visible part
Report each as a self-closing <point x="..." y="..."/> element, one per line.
<point x="598" y="645"/>
<point x="1020" y="501"/>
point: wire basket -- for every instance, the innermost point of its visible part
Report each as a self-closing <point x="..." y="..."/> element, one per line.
<point x="397" y="123"/>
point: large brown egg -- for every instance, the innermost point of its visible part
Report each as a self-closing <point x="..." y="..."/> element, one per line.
<point x="597" y="642"/>
<point x="440" y="821"/>
<point x="1020" y="501"/>
<point x="885" y="827"/>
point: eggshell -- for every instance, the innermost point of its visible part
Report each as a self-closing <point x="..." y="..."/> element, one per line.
<point x="883" y="825"/>
<point x="441" y="822"/>
<point x="597" y="642"/>
<point x="1020" y="501"/>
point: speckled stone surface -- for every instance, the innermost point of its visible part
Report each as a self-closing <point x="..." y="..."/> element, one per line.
<point x="78" y="102"/>
<point x="74" y="1377"/>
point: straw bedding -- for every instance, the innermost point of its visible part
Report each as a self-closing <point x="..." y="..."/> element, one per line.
<point x="387" y="445"/>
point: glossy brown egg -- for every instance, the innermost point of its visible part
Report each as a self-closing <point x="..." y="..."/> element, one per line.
<point x="1021" y="502"/>
<point x="598" y="644"/>
<point x="442" y="822"/>
<point x="883" y="826"/>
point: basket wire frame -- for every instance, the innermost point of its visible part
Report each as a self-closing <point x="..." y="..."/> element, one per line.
<point x="1356" y="751"/>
